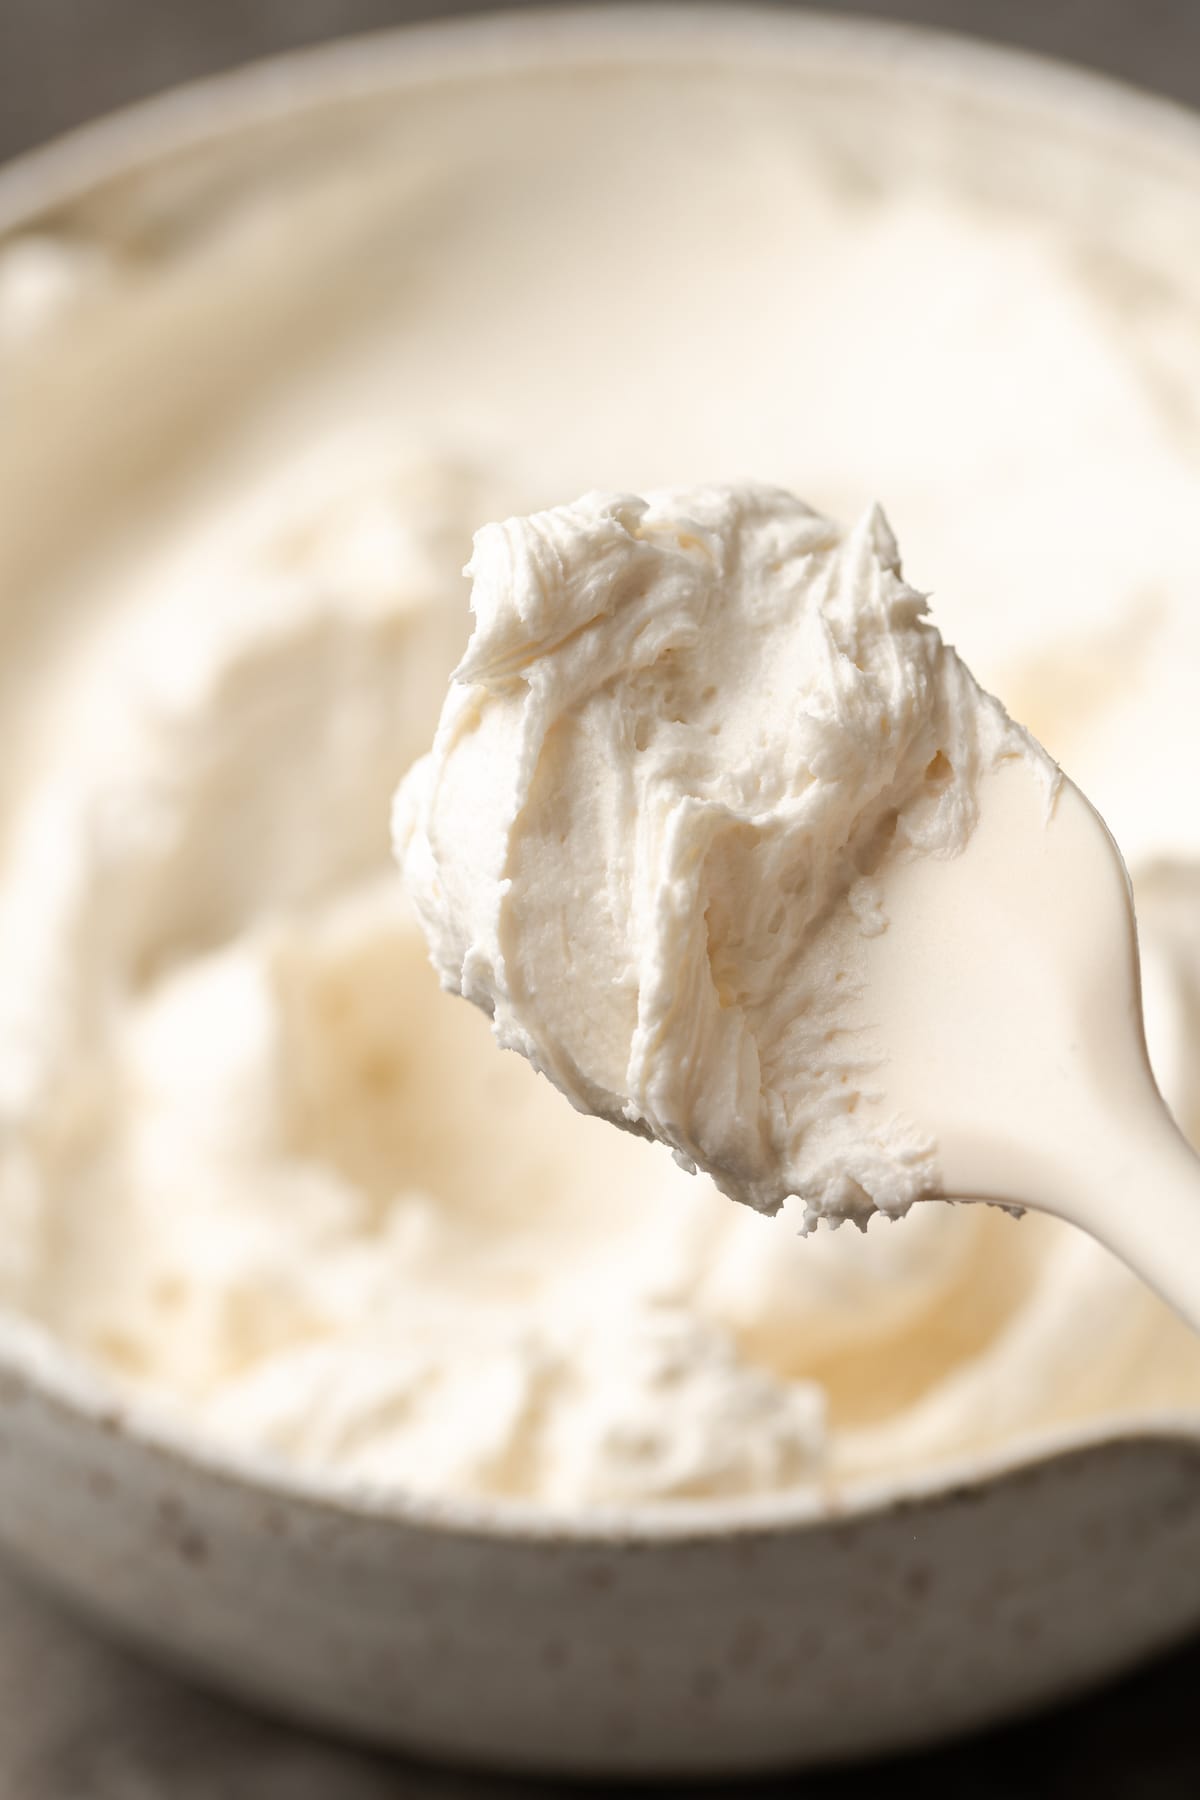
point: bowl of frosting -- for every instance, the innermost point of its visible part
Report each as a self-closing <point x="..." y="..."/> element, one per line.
<point x="341" y="1362"/>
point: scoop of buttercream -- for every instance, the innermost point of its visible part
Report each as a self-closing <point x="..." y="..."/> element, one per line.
<point x="688" y="734"/>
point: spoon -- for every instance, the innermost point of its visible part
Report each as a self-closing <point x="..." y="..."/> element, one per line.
<point x="1007" y="995"/>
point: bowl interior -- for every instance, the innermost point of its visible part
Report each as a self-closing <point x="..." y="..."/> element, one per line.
<point x="628" y="250"/>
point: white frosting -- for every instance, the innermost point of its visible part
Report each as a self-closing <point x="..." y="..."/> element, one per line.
<point x="42" y="280"/>
<point x="253" y="1165"/>
<point x="688" y="735"/>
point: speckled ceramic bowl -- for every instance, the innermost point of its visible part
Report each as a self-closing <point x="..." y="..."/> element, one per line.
<point x="705" y="1639"/>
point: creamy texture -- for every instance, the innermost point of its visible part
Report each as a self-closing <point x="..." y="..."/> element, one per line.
<point x="253" y="1166"/>
<point x="236" y="1167"/>
<point x="688" y="736"/>
<point x="42" y="279"/>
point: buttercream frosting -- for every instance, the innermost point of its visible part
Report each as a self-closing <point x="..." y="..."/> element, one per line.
<point x="688" y="736"/>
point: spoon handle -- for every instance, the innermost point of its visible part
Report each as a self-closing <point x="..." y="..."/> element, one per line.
<point x="1138" y="1192"/>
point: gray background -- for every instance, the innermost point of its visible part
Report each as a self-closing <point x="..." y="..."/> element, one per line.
<point x="80" y="1720"/>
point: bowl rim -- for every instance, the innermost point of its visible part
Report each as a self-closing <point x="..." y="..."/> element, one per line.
<point x="272" y="89"/>
<point x="1061" y="99"/>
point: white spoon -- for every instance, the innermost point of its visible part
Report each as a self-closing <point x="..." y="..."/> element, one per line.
<point x="1007" y="993"/>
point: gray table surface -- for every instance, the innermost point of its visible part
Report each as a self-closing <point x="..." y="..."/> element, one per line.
<point x="82" y="1720"/>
